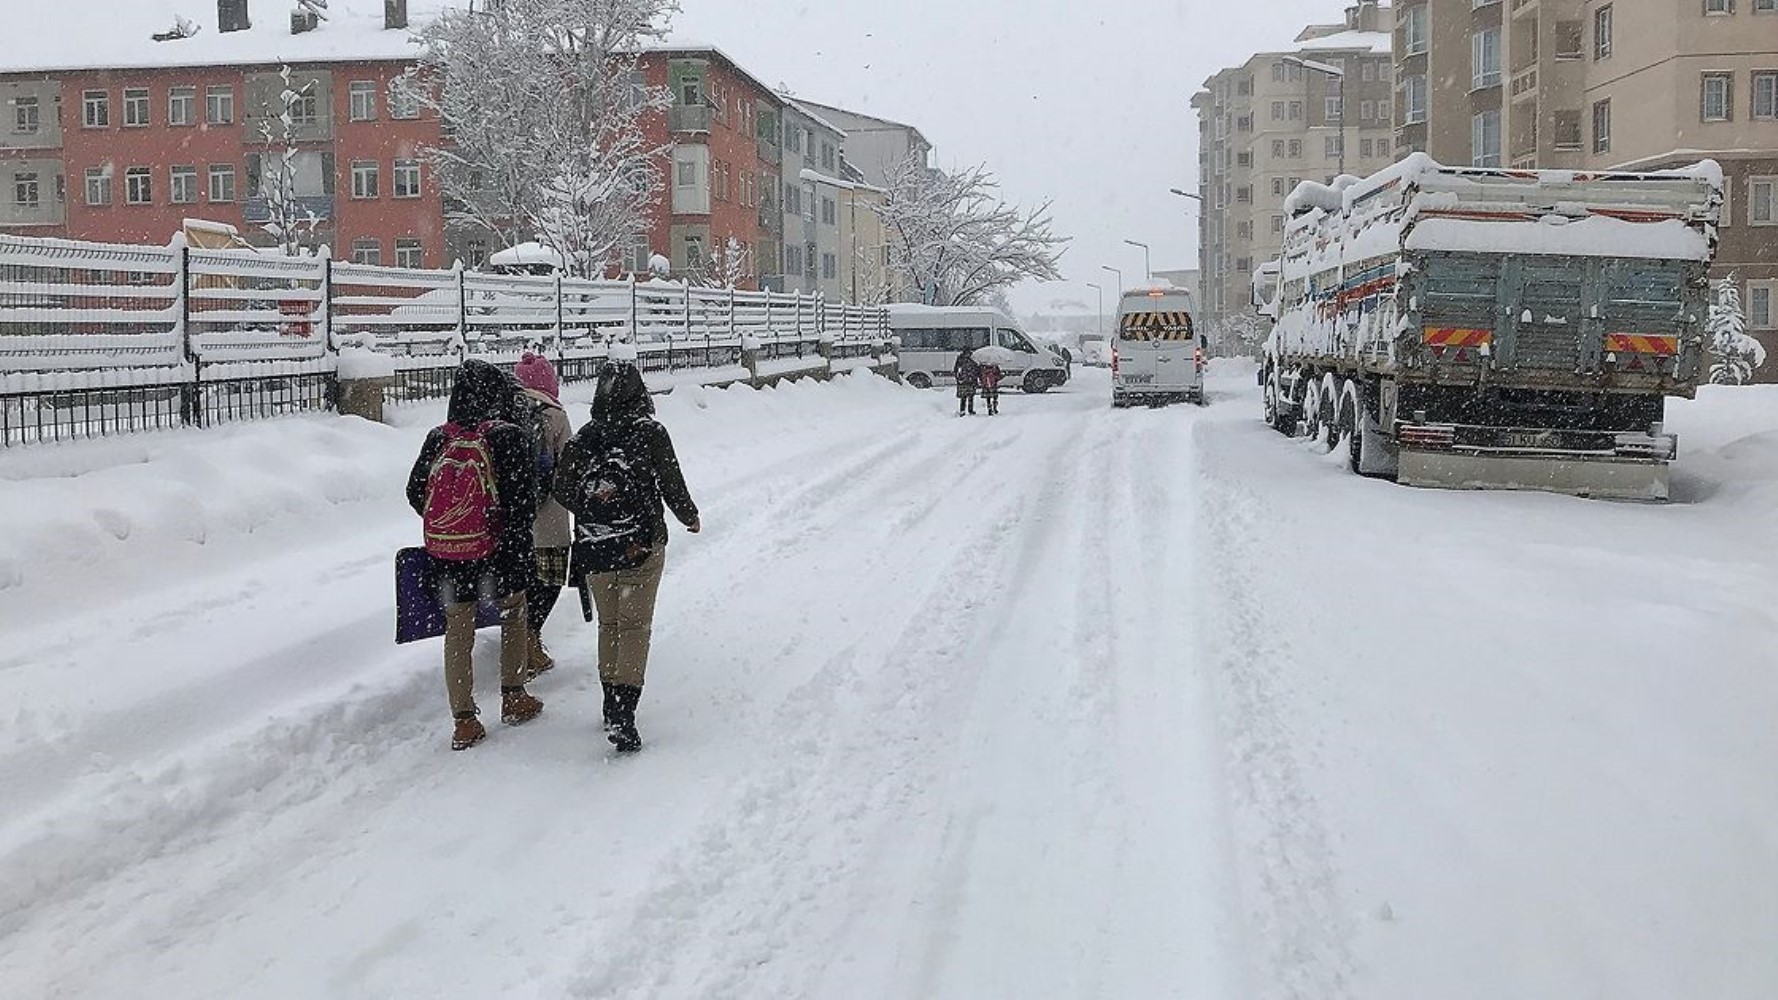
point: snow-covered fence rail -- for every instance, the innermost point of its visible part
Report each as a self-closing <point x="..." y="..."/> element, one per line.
<point x="103" y="339"/>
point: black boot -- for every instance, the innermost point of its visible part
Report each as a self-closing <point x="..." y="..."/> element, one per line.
<point x="620" y="717"/>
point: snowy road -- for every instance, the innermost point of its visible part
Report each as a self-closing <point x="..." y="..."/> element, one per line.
<point x="1071" y="703"/>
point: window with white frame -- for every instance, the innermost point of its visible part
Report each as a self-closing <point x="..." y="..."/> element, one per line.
<point x="363" y="100"/>
<point x="1717" y="97"/>
<point x="1277" y="187"/>
<point x="1296" y="149"/>
<point x="1367" y="148"/>
<point x="26" y="192"/>
<point x="182" y="106"/>
<point x="1414" y="97"/>
<point x="1762" y="201"/>
<point x="138" y="186"/>
<point x="409" y="253"/>
<point x="222" y="183"/>
<point x="1719" y="6"/>
<point x="1277" y="223"/>
<point x="184" y="187"/>
<point x="830" y="267"/>
<point x="1367" y="111"/>
<point x="1484" y="49"/>
<point x="1602" y="33"/>
<point x="365" y="175"/>
<point x="1414" y="30"/>
<point x="26" y="115"/>
<point x="1277" y="149"/>
<point x="1277" y="111"/>
<point x="1760" y="312"/>
<point x="829" y="212"/>
<point x="1333" y="109"/>
<point x="407" y="178"/>
<point x="1484" y="138"/>
<point x="305" y="108"/>
<point x="135" y="107"/>
<point x="98" y="185"/>
<point x="1367" y="71"/>
<point x="219" y="105"/>
<point x="367" y="251"/>
<point x="1330" y="147"/>
<point x="1765" y="95"/>
<point x="404" y="99"/>
<point x="95" y="109"/>
<point x="1296" y="111"/>
<point x="1602" y="126"/>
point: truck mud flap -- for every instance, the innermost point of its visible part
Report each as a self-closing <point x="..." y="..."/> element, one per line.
<point x="1601" y="478"/>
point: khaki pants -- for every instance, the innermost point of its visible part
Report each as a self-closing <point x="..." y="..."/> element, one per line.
<point x="625" y="600"/>
<point x="460" y="645"/>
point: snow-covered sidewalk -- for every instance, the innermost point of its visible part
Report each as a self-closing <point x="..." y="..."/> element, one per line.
<point x="1072" y="702"/>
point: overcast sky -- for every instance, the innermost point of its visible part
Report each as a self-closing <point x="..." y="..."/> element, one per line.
<point x="1083" y="102"/>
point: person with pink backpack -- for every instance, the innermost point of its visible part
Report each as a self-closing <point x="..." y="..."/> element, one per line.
<point x="475" y="488"/>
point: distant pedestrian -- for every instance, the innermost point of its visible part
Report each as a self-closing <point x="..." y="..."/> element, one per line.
<point x="989" y="376"/>
<point x="968" y="375"/>
<point x="475" y="490"/>
<point x="551" y="532"/>
<point x="615" y="475"/>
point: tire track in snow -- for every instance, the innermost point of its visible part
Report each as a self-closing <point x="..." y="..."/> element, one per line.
<point x="1300" y="934"/>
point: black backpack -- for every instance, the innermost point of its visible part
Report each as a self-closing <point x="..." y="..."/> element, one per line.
<point x="615" y="503"/>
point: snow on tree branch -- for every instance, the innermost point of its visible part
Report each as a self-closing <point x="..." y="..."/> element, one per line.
<point x="543" y="104"/>
<point x="958" y="241"/>
<point x="1738" y="356"/>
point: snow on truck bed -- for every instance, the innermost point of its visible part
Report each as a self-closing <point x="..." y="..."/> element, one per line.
<point x="950" y="708"/>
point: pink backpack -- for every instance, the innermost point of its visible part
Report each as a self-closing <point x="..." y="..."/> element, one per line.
<point x="462" y="506"/>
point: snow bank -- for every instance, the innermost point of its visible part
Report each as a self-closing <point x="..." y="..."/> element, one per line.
<point x="1558" y="234"/>
<point x="358" y="363"/>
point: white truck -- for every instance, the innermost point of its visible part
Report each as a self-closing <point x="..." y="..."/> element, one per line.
<point x="1487" y="328"/>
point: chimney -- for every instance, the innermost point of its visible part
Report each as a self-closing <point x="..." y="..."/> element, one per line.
<point x="303" y="19"/>
<point x="394" y="14"/>
<point x="231" y="15"/>
<point x="1364" y="16"/>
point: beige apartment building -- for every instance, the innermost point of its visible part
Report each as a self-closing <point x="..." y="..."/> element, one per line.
<point x="1600" y="84"/>
<point x="1270" y="123"/>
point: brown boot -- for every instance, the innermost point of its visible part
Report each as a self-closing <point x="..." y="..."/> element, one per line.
<point x="537" y="658"/>
<point x="517" y="707"/>
<point x="468" y="733"/>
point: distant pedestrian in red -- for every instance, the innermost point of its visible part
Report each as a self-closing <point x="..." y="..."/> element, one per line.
<point x="989" y="376"/>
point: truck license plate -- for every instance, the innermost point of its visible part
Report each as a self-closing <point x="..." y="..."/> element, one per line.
<point x="1525" y="439"/>
<point x="1139" y="379"/>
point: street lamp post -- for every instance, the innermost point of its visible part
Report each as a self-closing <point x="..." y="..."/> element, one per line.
<point x="1120" y="279"/>
<point x="1187" y="194"/>
<point x="1099" y="316"/>
<point x="1147" y="260"/>
<point x="1339" y="76"/>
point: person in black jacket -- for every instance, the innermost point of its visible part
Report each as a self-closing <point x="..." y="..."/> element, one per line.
<point x="623" y="458"/>
<point x="968" y="375"/>
<point x="482" y="394"/>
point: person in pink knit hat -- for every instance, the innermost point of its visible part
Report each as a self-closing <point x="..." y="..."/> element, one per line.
<point x="552" y="531"/>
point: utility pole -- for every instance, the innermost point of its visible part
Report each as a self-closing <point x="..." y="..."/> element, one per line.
<point x="1147" y="260"/>
<point x="1099" y="316"/>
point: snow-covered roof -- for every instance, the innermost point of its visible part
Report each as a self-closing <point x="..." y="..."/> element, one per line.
<point x="804" y="110"/>
<point x="870" y="122"/>
<point x="526" y="255"/>
<point x="1377" y="43"/>
<point x="701" y="49"/>
<point x="108" y="34"/>
<point x="817" y="177"/>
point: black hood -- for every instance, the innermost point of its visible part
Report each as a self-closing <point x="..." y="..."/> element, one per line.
<point x="482" y="392"/>
<point x="622" y="395"/>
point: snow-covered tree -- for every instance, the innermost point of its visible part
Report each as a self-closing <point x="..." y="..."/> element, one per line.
<point x="1242" y="335"/>
<point x="288" y="221"/>
<point x="730" y="265"/>
<point x="543" y="108"/>
<point x="957" y="240"/>
<point x="1738" y="356"/>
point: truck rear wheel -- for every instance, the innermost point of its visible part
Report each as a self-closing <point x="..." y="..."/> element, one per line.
<point x="1312" y="409"/>
<point x="1331" y="404"/>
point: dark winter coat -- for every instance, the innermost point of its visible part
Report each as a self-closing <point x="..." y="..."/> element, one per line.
<point x="623" y="418"/>
<point x="483" y="393"/>
<point x="967" y="371"/>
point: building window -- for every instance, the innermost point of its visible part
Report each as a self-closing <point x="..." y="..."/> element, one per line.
<point x="1765" y="94"/>
<point x="1414" y="93"/>
<point x="829" y="215"/>
<point x="829" y="267"/>
<point x="1333" y="109"/>
<point x="138" y="186"/>
<point x="687" y="174"/>
<point x="1277" y="149"/>
<point x="1277" y="187"/>
<point x="404" y="99"/>
<point x="1484" y="50"/>
<point x="61" y="190"/>
<point x="1484" y="138"/>
<point x="1277" y="111"/>
<point x="1602" y="33"/>
<point x="364" y="100"/>
<point x="305" y="109"/>
<point x="1719" y="6"/>
<point x="1765" y="6"/>
<point x="135" y="107"/>
<point x="1602" y="126"/>
<point x="1244" y="123"/>
<point x="1414" y="31"/>
<point x="26" y="117"/>
<point x="793" y="260"/>
<point x="1244" y="194"/>
<point x="98" y="186"/>
<point x="222" y="184"/>
<point x="182" y="106"/>
<point x="1367" y="148"/>
<point x="1762" y="201"/>
<point x="1244" y="160"/>
<point x="185" y="185"/>
<point x="1368" y="71"/>
<point x="1296" y="111"/>
<point x="25" y="191"/>
<point x="1296" y="149"/>
<point x="1330" y="147"/>
<point x="694" y="252"/>
<point x="1277" y="223"/>
<point x="364" y="178"/>
<point x="1759" y="306"/>
<point x="407" y="178"/>
<point x="367" y="251"/>
<point x="95" y="109"/>
<point x="827" y="156"/>
<point x="1718" y="97"/>
<point x="219" y="105"/>
<point x="1244" y="231"/>
<point x="409" y="253"/>
<point x="1367" y="111"/>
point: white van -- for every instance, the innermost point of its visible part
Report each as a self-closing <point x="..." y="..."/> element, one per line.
<point x="932" y="337"/>
<point x="1158" y="354"/>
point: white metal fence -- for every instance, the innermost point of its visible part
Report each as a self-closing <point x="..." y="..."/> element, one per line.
<point x="102" y="338"/>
